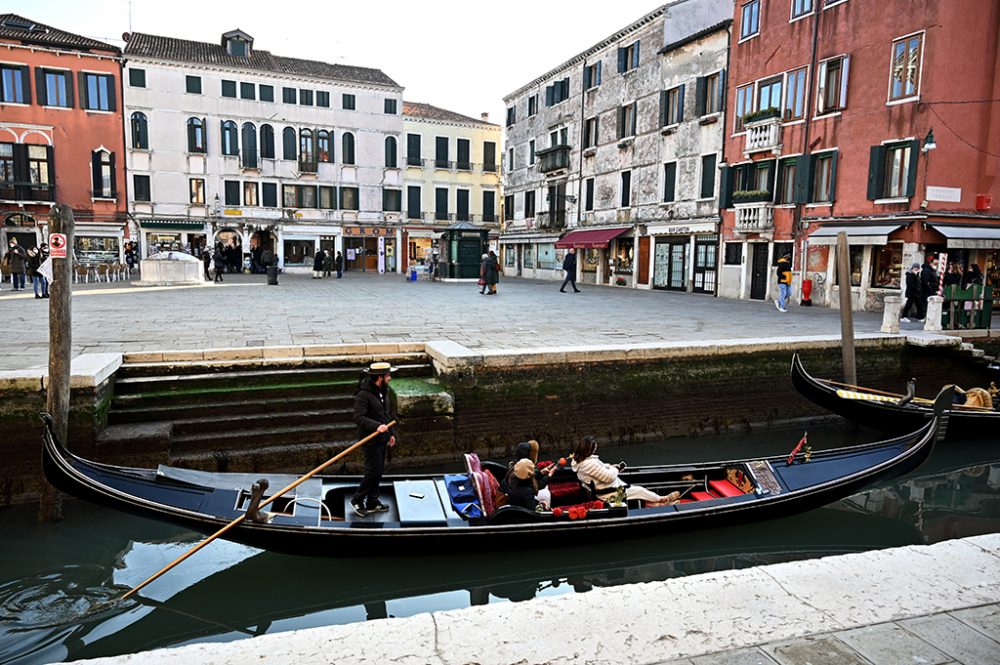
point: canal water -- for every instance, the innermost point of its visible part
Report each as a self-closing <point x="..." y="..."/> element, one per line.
<point x="58" y="583"/>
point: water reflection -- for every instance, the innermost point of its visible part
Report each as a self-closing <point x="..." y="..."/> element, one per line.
<point x="57" y="580"/>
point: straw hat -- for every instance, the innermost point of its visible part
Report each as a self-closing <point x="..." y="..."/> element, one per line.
<point x="380" y="368"/>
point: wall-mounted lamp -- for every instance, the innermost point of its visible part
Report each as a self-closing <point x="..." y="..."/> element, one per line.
<point x="570" y="199"/>
<point x="929" y="143"/>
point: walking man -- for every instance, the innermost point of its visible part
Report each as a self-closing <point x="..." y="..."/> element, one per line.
<point x="206" y="259"/>
<point x="569" y="266"/>
<point x="218" y="258"/>
<point x="928" y="281"/>
<point x="372" y="412"/>
<point x="784" y="282"/>
<point x="338" y="265"/>
<point x="16" y="260"/>
<point x="912" y="294"/>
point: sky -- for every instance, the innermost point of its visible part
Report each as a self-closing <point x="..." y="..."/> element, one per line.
<point x="462" y="56"/>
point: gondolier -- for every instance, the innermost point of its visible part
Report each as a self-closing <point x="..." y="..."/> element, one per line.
<point x="371" y="413"/>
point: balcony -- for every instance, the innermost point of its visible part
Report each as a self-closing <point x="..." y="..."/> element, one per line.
<point x="754" y="217"/>
<point x="553" y="159"/>
<point x="763" y="133"/>
<point x="551" y="219"/>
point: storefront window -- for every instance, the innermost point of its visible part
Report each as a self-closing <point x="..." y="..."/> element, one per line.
<point x="547" y="256"/>
<point x="992" y="268"/>
<point x="529" y="256"/>
<point x="510" y="256"/>
<point x="97" y="249"/>
<point x="887" y="266"/>
<point x="590" y="259"/>
<point x="856" y="254"/>
<point x="163" y="242"/>
<point x="624" y="250"/>
<point x="297" y="252"/>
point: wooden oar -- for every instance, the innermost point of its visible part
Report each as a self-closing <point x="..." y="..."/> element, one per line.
<point x="242" y="517"/>
<point x="922" y="400"/>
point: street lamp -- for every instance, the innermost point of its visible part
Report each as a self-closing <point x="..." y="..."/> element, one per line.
<point x="929" y="143"/>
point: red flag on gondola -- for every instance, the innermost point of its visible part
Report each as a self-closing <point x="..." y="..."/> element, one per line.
<point x="797" y="448"/>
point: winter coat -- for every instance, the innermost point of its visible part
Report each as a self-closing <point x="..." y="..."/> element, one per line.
<point x="33" y="263"/>
<point x="569" y="263"/>
<point x="593" y="471"/>
<point x="371" y="409"/>
<point x="490" y="270"/>
<point x="318" y="261"/>
<point x="784" y="271"/>
<point x="327" y="261"/>
<point x="912" y="285"/>
<point x="928" y="281"/>
<point x="338" y="262"/>
<point x="16" y="259"/>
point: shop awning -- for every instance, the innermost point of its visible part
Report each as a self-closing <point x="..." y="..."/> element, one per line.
<point x="969" y="237"/>
<point x="174" y="224"/>
<point x="874" y="234"/>
<point x="590" y="238"/>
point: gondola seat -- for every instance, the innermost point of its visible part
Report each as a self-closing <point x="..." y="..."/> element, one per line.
<point x="724" y="488"/>
<point x="486" y="485"/>
<point x="568" y="493"/>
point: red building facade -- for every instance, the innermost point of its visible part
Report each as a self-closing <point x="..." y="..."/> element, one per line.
<point x="61" y="137"/>
<point x="879" y="119"/>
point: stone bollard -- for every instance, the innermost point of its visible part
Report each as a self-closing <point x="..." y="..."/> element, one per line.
<point x="932" y="321"/>
<point x="890" y="315"/>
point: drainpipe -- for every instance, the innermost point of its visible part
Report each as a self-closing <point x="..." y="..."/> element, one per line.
<point x="719" y="251"/>
<point x="579" y="172"/>
<point x="810" y="90"/>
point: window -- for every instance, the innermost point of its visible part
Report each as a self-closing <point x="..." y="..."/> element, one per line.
<point x="708" y="94"/>
<point x="531" y="152"/>
<point x="250" y="194"/>
<point x="588" y="201"/>
<point x="489" y="206"/>
<point x="196" y="134"/>
<point x="489" y="156"/>
<point x="269" y="194"/>
<point x="299" y="196"/>
<point x="590" y="136"/>
<point x="348" y="102"/>
<point x="750" y="23"/>
<point x="288" y="143"/>
<point x="230" y="138"/>
<point x="324" y="146"/>
<point x="559" y="137"/>
<point x="896" y="169"/>
<point x="671" y="106"/>
<point x="832" y="91"/>
<point x="413" y="150"/>
<point x="237" y="47"/>
<point x="390" y="106"/>
<point x="769" y="94"/>
<point x="441" y="203"/>
<point x="16" y="86"/>
<point x="192" y="84"/>
<point x="904" y="82"/>
<point x="197" y="191"/>
<point x="413" y="202"/>
<point x="97" y="92"/>
<point x="462" y="205"/>
<point x="801" y="7"/>
<point x="231" y="192"/>
<point x="328" y="198"/>
<point x="887" y="266"/>
<point x="855" y="254"/>
<point x="306" y="97"/>
<point x="392" y="200"/>
<point x="248" y="91"/>
<point x="628" y="57"/>
<point x="323" y="98"/>
<point x="228" y="88"/>
<point x="307" y="151"/>
<point x="441" y="152"/>
<point x="140" y="131"/>
<point x="40" y="173"/>
<point x="7" y="179"/>
<point x="626" y="120"/>
<point x="299" y="252"/>
<point x="289" y="95"/>
<point x="744" y="105"/>
<point x="892" y="170"/>
<point x="508" y="207"/>
<point x="348" y="151"/>
<point x="707" y="176"/>
<point x="140" y="186"/>
<point x="266" y="92"/>
<point x="795" y="95"/>
<point x="786" y="180"/>
<point x="669" y="181"/>
<point x="137" y="78"/>
<point x="391" y="161"/>
<point x="734" y="254"/>
<point x="532" y="105"/>
<point x="55" y="88"/>
<point x="249" y="155"/>
<point x="557" y="92"/>
<point x="592" y="75"/>
<point x="529" y="204"/>
<point x="626" y="190"/>
<point x="823" y="178"/>
<point x="266" y="141"/>
<point x="463" y="158"/>
<point x="511" y="115"/>
<point x="103" y="166"/>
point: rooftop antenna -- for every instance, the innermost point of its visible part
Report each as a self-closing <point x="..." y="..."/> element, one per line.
<point x="130" y="16"/>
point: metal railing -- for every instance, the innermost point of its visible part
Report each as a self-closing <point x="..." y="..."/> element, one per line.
<point x="754" y="217"/>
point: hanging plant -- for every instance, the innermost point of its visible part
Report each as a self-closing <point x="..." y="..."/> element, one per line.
<point x="762" y="114"/>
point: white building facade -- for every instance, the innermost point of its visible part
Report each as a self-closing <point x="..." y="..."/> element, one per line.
<point x="228" y="143"/>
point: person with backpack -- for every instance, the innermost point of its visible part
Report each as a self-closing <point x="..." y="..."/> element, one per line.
<point x="784" y="282"/>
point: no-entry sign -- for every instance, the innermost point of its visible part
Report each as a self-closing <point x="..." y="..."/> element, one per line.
<point x="57" y="245"/>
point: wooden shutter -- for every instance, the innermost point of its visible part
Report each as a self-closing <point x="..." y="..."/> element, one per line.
<point x="876" y="172"/>
<point x="821" y="88"/>
<point x="598" y="72"/>
<point x="564" y="84"/>
<point x="114" y="175"/>
<point x="112" y="106"/>
<point x="81" y="77"/>
<point x="726" y="187"/>
<point x="95" y="169"/>
<point x="622" y="62"/>
<point x="663" y="108"/>
<point x="586" y="77"/>
<point x="680" y="103"/>
<point x="50" y="158"/>
<point x="670" y="181"/>
<point x="772" y="171"/>
<point x="69" y="89"/>
<point x="845" y="68"/>
<point x="803" y="178"/>
<point x="834" y="157"/>
<point x="550" y="94"/>
<point x="144" y="132"/>
<point x="722" y="91"/>
<point x="40" y="88"/>
<point x="700" y="102"/>
<point x="635" y="56"/>
<point x="26" y="83"/>
<point x="911" y="173"/>
<point x="621" y="122"/>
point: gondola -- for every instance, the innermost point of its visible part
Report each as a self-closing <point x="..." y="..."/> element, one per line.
<point x="882" y="412"/>
<point x="462" y="512"/>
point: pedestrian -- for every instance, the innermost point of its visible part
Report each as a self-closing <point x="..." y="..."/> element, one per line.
<point x="130" y="256"/>
<point x="784" y="281"/>
<point x="569" y="266"/>
<point x="912" y="294"/>
<point x="338" y="265"/>
<point x="493" y="275"/>
<point x="372" y="413"/>
<point x="973" y="276"/>
<point x="928" y="281"/>
<point x="32" y="264"/>
<point x="218" y="258"/>
<point x="954" y="275"/>
<point x="327" y="263"/>
<point x="482" y="273"/>
<point x="318" y="265"/>
<point x="206" y="259"/>
<point x="16" y="262"/>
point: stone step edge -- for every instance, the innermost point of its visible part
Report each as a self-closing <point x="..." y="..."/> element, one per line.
<point x="274" y="352"/>
<point x="129" y="408"/>
<point x="350" y="372"/>
<point x="267" y="431"/>
<point x="330" y="362"/>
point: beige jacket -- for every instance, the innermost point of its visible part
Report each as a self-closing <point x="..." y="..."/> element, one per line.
<point x="602" y="475"/>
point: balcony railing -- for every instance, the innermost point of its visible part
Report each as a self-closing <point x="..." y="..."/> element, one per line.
<point x="308" y="167"/>
<point x="446" y="165"/>
<point x="27" y="191"/>
<point x="553" y="159"/>
<point x="754" y="217"/>
<point x="551" y="219"/>
<point x="763" y="136"/>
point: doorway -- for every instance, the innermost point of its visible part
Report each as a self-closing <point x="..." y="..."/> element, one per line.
<point x="705" y="266"/>
<point x="670" y="264"/>
<point x="759" y="271"/>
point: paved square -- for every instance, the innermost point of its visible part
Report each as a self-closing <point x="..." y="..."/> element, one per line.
<point x="244" y="311"/>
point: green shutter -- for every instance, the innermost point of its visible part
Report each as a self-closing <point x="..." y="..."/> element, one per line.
<point x="663" y="108"/>
<point x="680" y="103"/>
<point x="586" y="77"/>
<point x="722" y="91"/>
<point x="635" y="56"/>
<point x="726" y="187"/>
<point x="803" y="178"/>
<point x="26" y="83"/>
<point x="670" y="181"/>
<point x="772" y="171"/>
<point x="700" y="102"/>
<point x="621" y="121"/>
<point x="911" y="175"/>
<point x="40" y="91"/>
<point x="112" y="106"/>
<point x="81" y="77"/>
<point x="876" y="172"/>
<point x="114" y="176"/>
<point x="833" y="175"/>
<point x="97" y="190"/>
<point x="622" y="63"/>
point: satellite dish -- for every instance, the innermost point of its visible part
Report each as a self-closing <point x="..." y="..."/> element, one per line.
<point x="126" y="36"/>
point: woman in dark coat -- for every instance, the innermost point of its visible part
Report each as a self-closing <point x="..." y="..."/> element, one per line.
<point x="491" y="273"/>
<point x="318" y="264"/>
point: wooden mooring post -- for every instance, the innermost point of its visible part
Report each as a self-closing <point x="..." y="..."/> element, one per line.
<point x="846" y="313"/>
<point x="57" y="392"/>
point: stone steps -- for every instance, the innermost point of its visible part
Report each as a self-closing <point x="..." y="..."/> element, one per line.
<point x="246" y="441"/>
<point x="257" y="364"/>
<point x="252" y="422"/>
<point x="125" y="412"/>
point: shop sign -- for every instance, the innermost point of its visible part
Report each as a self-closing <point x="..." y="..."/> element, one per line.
<point x="232" y="212"/>
<point x="473" y="236"/>
<point x="57" y="245"/>
<point x="373" y="231"/>
<point x="945" y="194"/>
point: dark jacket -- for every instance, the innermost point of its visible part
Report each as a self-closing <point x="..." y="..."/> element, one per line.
<point x="522" y="493"/>
<point x="338" y="261"/>
<point x="318" y="261"/>
<point x="371" y="409"/>
<point x="952" y="278"/>
<point x="569" y="263"/>
<point x="928" y="281"/>
<point x="33" y="264"/>
<point x="490" y="270"/>
<point x="912" y="285"/>
<point x="784" y="271"/>
<point x="327" y="261"/>
<point x="16" y="259"/>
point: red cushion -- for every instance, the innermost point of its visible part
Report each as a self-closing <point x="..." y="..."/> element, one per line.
<point x="701" y="496"/>
<point x="724" y="487"/>
<point x="566" y="493"/>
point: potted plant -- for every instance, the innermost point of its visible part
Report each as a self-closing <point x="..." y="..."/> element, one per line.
<point x="751" y="196"/>
<point x="762" y="114"/>
<point x="620" y="281"/>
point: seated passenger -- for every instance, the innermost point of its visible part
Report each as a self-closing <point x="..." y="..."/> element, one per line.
<point x="974" y="397"/>
<point x="524" y="450"/>
<point x="527" y="485"/>
<point x="603" y="477"/>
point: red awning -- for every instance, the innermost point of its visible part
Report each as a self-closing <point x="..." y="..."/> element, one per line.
<point x="590" y="238"/>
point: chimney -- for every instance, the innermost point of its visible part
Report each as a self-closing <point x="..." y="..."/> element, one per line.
<point x="485" y="117"/>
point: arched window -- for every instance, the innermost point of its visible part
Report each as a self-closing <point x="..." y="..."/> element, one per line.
<point x="307" y="151"/>
<point x="140" y="131"/>
<point x="102" y="164"/>
<point x="267" y="141"/>
<point x="288" y="143"/>
<point x="196" y="134"/>
<point x="249" y="146"/>
<point x="390" y="152"/>
<point x="348" y="151"/>
<point x="324" y="152"/>
<point x="230" y="138"/>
